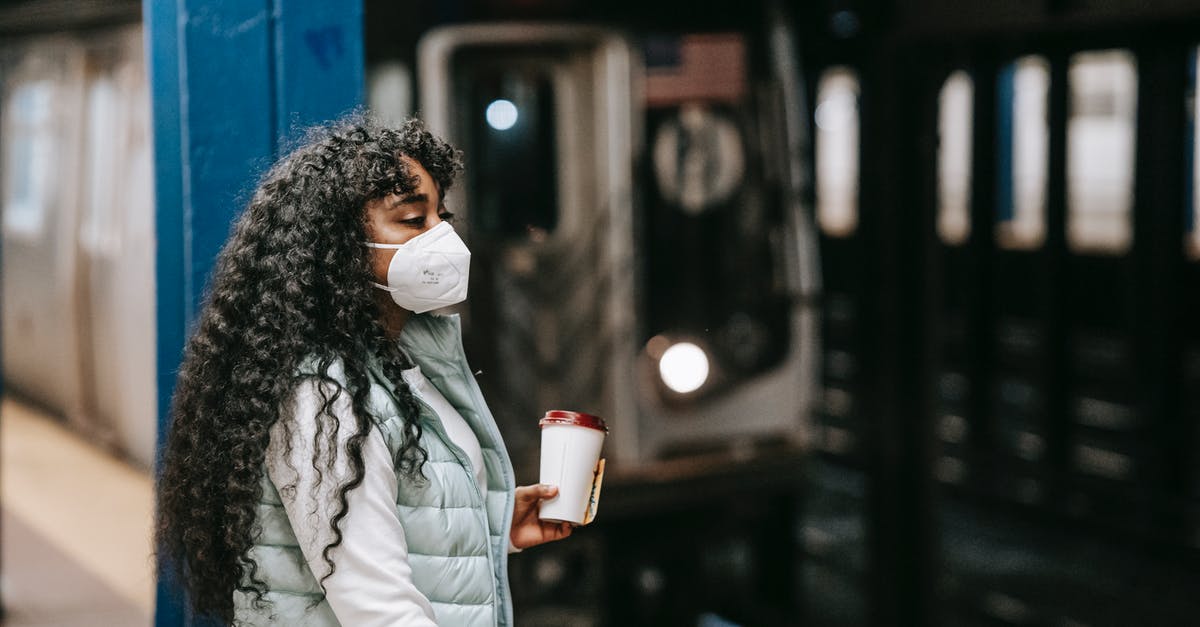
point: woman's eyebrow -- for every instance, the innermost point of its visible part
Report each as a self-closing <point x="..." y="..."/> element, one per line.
<point x="409" y="199"/>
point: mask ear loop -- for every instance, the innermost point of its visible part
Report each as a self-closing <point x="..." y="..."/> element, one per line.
<point x="384" y="246"/>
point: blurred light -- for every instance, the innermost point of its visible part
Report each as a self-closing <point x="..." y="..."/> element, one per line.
<point x="549" y="571"/>
<point x="837" y="151"/>
<point x="650" y="581"/>
<point x="501" y="115"/>
<point x="684" y="367"/>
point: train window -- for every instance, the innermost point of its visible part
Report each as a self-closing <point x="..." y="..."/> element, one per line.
<point x="1101" y="138"/>
<point x="99" y="232"/>
<point x="509" y="110"/>
<point x="29" y="136"/>
<point x="1192" y="218"/>
<point x="837" y="146"/>
<point x="955" y="120"/>
<point x="390" y="91"/>
<point x="1024" y="137"/>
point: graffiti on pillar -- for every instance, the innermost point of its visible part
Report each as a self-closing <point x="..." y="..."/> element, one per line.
<point x="325" y="44"/>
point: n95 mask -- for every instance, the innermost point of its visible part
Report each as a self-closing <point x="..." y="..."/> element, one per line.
<point x="428" y="271"/>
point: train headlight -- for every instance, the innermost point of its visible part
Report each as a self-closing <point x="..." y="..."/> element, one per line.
<point x="683" y="367"/>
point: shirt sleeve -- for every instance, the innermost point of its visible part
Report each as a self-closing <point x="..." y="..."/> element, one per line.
<point x="372" y="582"/>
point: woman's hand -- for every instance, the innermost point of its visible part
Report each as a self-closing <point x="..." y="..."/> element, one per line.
<point x="527" y="530"/>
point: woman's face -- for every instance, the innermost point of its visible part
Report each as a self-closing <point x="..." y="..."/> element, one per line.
<point x="395" y="218"/>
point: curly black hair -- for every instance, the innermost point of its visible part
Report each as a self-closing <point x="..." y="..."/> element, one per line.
<point x="291" y="287"/>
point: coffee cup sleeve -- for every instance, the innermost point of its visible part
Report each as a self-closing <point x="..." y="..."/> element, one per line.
<point x="594" y="496"/>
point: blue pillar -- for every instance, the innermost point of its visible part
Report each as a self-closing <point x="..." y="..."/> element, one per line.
<point x="231" y="81"/>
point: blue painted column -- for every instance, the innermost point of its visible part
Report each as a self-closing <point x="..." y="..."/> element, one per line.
<point x="231" y="82"/>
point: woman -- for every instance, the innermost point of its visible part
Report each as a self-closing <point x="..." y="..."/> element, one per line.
<point x="331" y="460"/>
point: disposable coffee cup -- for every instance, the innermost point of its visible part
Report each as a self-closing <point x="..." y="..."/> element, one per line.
<point x="571" y="444"/>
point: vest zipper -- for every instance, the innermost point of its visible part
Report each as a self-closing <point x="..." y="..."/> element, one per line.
<point x="509" y="480"/>
<point x="505" y="464"/>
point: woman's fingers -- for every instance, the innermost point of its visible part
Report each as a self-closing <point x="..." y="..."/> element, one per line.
<point x="528" y="531"/>
<point x="536" y="492"/>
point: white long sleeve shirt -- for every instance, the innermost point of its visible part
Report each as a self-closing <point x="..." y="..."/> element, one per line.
<point x="372" y="583"/>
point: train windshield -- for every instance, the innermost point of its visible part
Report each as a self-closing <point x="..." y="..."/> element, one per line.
<point x="507" y="113"/>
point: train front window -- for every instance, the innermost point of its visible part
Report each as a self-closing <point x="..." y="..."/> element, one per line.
<point x="27" y="162"/>
<point x="1101" y="140"/>
<point x="1024" y="138"/>
<point x="508" y="114"/>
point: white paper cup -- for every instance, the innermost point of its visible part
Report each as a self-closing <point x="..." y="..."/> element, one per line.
<point x="571" y="444"/>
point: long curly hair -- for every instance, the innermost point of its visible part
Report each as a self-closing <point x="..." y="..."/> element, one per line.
<point x="292" y="287"/>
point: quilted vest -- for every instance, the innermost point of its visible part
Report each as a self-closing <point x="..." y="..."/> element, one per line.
<point x="457" y="537"/>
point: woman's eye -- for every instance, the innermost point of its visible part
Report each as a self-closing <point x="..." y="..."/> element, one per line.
<point x="415" y="222"/>
<point x="446" y="216"/>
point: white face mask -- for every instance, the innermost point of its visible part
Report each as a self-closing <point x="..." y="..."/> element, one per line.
<point x="429" y="270"/>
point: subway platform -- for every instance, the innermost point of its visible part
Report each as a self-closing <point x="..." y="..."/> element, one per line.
<point x="76" y="525"/>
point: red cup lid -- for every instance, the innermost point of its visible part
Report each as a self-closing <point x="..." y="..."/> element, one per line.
<point x="578" y="419"/>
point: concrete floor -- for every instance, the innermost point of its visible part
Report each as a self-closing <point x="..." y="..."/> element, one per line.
<point x="75" y="547"/>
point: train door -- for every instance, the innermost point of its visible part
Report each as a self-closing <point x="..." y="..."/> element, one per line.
<point x="545" y="116"/>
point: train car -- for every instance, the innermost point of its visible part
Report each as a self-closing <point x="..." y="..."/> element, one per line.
<point x="78" y="232"/>
<point x="641" y="239"/>
<point x="1006" y="208"/>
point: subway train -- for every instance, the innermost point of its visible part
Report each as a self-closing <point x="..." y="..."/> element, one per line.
<point x="644" y="251"/>
<point x="941" y="258"/>
<point x="1007" y="217"/>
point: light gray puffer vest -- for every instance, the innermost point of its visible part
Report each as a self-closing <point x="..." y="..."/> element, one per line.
<point x="457" y="538"/>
